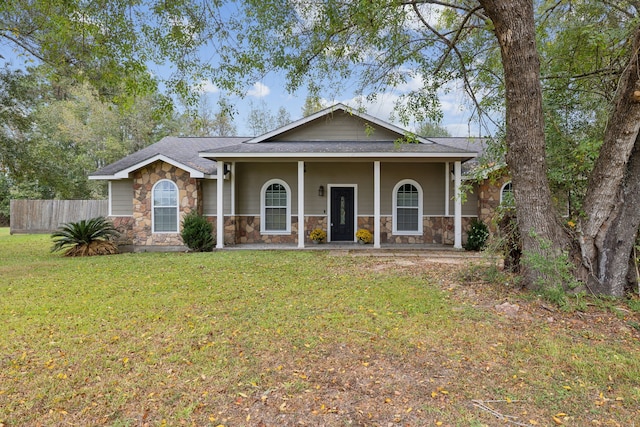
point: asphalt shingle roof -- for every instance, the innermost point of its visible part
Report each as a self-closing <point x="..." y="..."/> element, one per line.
<point x="346" y="147"/>
<point x="182" y="150"/>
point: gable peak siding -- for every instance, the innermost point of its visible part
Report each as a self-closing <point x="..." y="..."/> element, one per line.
<point x="340" y="126"/>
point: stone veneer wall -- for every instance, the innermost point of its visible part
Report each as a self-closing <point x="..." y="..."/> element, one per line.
<point x="437" y="230"/>
<point x="189" y="198"/>
<point x="124" y="225"/>
<point x="489" y="200"/>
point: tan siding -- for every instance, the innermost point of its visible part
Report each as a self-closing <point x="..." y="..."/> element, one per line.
<point x="430" y="176"/>
<point x="122" y="197"/>
<point x="469" y="206"/>
<point x="210" y="197"/>
<point x="250" y="177"/>
<point x="339" y="127"/>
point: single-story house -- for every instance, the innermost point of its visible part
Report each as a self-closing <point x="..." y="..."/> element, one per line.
<point x="339" y="170"/>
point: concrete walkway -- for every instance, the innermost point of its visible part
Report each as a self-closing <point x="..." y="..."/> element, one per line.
<point x="355" y="249"/>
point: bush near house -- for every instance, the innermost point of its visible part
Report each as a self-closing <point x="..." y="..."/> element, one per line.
<point x="197" y="233"/>
<point x="86" y="238"/>
<point x="477" y="236"/>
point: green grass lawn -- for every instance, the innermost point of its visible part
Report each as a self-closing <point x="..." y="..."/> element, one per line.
<point x="277" y="338"/>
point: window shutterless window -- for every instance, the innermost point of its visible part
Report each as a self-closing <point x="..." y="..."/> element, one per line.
<point x="276" y="207"/>
<point x="506" y="194"/>
<point x="165" y="207"/>
<point x="407" y="208"/>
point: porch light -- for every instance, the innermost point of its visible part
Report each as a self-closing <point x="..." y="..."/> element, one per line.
<point x="321" y="191"/>
<point x="227" y="171"/>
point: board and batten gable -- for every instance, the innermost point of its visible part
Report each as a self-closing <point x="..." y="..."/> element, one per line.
<point x="121" y="197"/>
<point x="339" y="126"/>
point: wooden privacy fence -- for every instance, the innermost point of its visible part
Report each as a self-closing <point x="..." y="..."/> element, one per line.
<point x="45" y="216"/>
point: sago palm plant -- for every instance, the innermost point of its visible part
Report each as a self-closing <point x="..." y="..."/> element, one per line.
<point x="85" y="238"/>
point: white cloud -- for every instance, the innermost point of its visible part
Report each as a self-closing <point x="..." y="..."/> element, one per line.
<point x="208" y="87"/>
<point x="259" y="90"/>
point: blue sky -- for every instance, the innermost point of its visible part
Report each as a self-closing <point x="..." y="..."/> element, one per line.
<point x="271" y="90"/>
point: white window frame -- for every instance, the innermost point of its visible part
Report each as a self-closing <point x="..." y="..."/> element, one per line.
<point x="502" y="191"/>
<point x="153" y="207"/>
<point x="263" y="208"/>
<point x="418" y="187"/>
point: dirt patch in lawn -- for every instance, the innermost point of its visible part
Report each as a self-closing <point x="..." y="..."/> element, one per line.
<point x="465" y="381"/>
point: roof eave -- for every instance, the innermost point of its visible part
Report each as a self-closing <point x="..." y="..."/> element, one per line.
<point x="377" y="155"/>
<point x="124" y="173"/>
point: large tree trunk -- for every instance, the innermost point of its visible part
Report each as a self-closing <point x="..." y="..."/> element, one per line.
<point x="618" y="242"/>
<point x="612" y="213"/>
<point x="514" y="27"/>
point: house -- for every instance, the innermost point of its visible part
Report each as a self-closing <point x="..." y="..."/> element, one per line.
<point x="338" y="169"/>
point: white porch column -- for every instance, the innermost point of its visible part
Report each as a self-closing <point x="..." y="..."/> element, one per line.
<point x="232" y="182"/>
<point x="447" y="196"/>
<point x="301" y="224"/>
<point x="376" y="204"/>
<point x="220" y="206"/>
<point x="457" y="210"/>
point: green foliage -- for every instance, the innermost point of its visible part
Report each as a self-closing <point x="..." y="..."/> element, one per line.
<point x="4" y="200"/>
<point x="197" y="233"/>
<point x="429" y="129"/>
<point x="110" y="44"/>
<point x="85" y="238"/>
<point x="477" y="236"/>
<point x="554" y="273"/>
<point x="69" y="133"/>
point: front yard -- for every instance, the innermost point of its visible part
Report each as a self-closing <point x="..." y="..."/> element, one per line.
<point x="268" y="338"/>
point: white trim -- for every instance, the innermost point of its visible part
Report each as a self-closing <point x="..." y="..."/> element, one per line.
<point x="233" y="188"/>
<point x="355" y="208"/>
<point x="153" y="208"/>
<point x="193" y="173"/>
<point x="109" y="209"/>
<point x="331" y="110"/>
<point x="376" y="204"/>
<point x="220" y="206"/>
<point x="365" y="155"/>
<point x="263" y="208"/>
<point x="301" y="225"/>
<point x="502" y="190"/>
<point x="457" y="210"/>
<point x="394" y="204"/>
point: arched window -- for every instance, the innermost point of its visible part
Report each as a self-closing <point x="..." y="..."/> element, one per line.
<point x="506" y="194"/>
<point x="165" y="207"/>
<point x="276" y="207"/>
<point x="407" y="207"/>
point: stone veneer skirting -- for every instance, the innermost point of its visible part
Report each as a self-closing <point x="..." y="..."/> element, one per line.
<point x="246" y="229"/>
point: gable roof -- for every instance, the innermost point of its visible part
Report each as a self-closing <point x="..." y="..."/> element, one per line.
<point x="197" y="155"/>
<point x="181" y="152"/>
<point x="329" y="112"/>
<point x="339" y="132"/>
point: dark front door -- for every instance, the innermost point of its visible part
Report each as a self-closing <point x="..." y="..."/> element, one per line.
<point x="342" y="209"/>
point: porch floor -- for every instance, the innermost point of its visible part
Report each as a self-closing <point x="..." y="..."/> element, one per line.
<point x="391" y="249"/>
